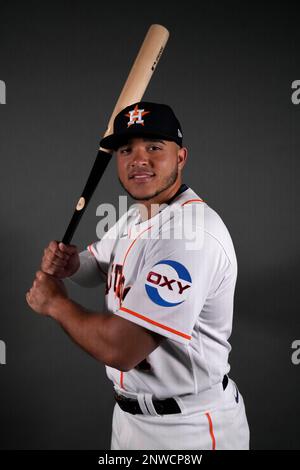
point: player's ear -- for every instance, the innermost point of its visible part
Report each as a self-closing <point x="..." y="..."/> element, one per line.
<point x="182" y="157"/>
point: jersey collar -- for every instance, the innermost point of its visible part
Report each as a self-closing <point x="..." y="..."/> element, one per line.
<point x="182" y="188"/>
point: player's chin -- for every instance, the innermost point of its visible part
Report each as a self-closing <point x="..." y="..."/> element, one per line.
<point x="143" y="191"/>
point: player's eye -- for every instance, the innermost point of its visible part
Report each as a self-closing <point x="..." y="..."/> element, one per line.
<point x="154" y="147"/>
<point x="124" y="150"/>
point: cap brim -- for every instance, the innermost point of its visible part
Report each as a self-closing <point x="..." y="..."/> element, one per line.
<point x="114" y="141"/>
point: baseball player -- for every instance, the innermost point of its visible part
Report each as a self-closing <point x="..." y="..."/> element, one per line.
<point x="169" y="269"/>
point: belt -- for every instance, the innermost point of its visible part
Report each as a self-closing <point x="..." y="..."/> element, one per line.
<point x="162" y="407"/>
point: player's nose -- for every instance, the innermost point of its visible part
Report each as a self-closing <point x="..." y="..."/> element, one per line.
<point x="139" y="157"/>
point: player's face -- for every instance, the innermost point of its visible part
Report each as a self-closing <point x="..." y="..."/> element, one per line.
<point x="150" y="170"/>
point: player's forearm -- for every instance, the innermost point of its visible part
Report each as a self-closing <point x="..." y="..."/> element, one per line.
<point x="88" y="329"/>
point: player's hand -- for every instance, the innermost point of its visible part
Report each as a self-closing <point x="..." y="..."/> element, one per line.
<point x="60" y="260"/>
<point x="45" y="292"/>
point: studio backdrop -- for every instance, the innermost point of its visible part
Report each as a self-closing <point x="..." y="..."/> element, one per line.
<point x="231" y="73"/>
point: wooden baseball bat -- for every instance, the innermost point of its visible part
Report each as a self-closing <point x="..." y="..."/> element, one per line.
<point x="133" y="91"/>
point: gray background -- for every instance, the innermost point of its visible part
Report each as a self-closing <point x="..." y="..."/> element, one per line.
<point x="227" y="72"/>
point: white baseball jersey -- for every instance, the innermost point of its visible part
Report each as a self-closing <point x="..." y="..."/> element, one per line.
<point x="156" y="277"/>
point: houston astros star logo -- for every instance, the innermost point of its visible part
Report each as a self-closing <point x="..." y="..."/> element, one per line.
<point x="136" y="116"/>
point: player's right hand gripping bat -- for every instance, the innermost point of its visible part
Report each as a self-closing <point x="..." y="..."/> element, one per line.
<point x="133" y="90"/>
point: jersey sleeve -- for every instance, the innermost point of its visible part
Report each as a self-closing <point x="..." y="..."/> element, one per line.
<point x="94" y="262"/>
<point x="173" y="285"/>
<point x="88" y="274"/>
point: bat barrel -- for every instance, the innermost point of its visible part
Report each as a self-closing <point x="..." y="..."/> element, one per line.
<point x="133" y="91"/>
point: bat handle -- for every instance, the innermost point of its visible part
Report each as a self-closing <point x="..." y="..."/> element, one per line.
<point x="102" y="160"/>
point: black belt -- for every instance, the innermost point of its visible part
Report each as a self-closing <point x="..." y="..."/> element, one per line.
<point x="162" y="407"/>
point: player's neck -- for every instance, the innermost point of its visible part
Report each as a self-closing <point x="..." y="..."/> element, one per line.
<point x="152" y="206"/>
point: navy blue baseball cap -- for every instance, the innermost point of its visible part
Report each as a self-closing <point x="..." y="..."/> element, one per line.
<point x="144" y="119"/>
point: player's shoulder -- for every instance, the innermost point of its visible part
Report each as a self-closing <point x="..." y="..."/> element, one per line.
<point x="197" y="212"/>
<point x="193" y="205"/>
<point x="217" y="233"/>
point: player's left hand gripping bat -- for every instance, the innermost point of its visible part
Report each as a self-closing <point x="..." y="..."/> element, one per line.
<point x="133" y="91"/>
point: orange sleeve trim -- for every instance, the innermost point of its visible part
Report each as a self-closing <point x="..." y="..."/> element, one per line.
<point x="149" y="320"/>
<point x="98" y="264"/>
<point x="211" y="431"/>
<point x="122" y="379"/>
<point x="192" y="200"/>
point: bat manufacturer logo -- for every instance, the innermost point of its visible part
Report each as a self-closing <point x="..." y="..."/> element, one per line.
<point x="168" y="283"/>
<point x="157" y="58"/>
<point x="136" y="116"/>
